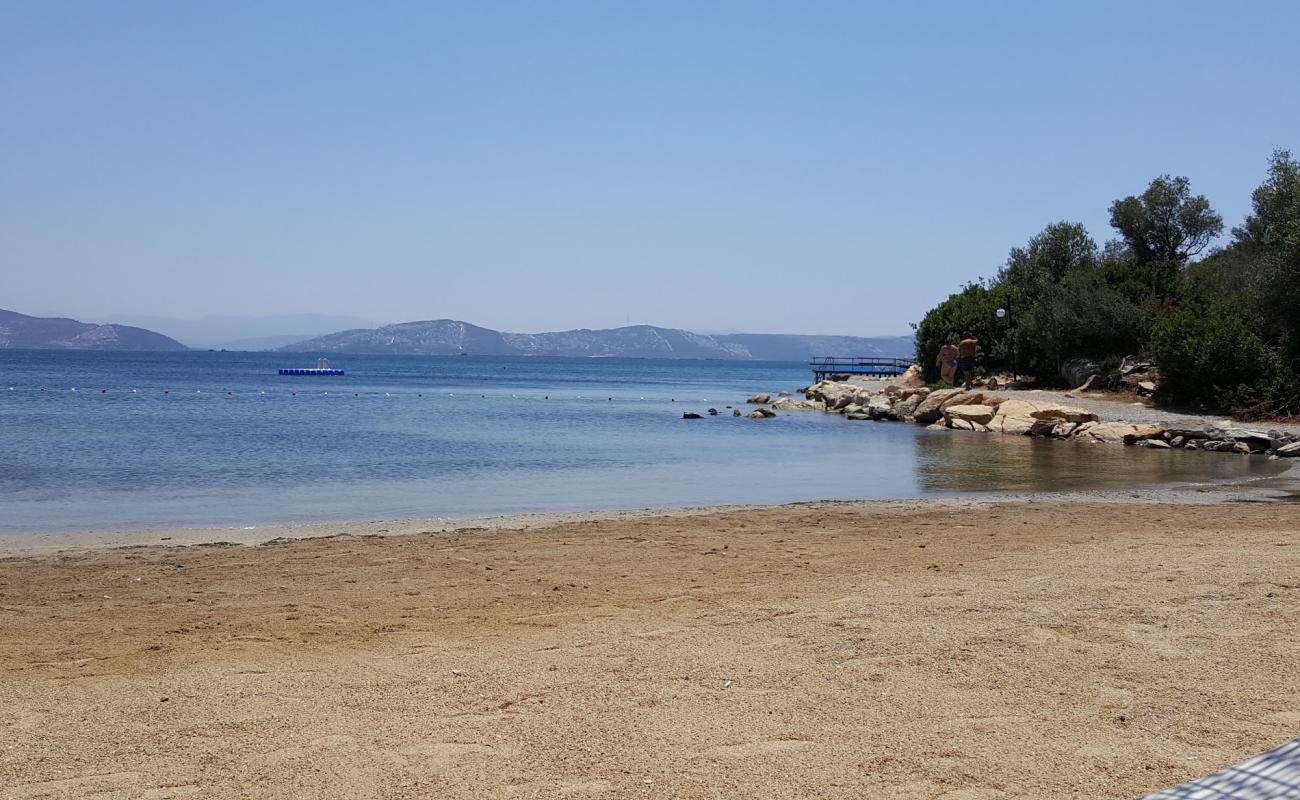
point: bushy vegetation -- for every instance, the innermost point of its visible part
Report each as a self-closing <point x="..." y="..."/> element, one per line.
<point x="1221" y="323"/>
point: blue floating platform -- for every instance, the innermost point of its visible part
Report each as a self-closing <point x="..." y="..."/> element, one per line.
<point x="310" y="371"/>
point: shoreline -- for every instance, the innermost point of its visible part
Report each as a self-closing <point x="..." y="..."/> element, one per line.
<point x="20" y="545"/>
<point x="895" y="650"/>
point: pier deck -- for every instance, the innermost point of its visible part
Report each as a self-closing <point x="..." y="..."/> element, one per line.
<point x="824" y="368"/>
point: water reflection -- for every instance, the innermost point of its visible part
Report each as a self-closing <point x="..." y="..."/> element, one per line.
<point x="969" y="462"/>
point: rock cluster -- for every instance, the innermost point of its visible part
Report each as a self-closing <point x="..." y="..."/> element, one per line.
<point x="958" y="409"/>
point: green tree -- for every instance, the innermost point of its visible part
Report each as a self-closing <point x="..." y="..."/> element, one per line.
<point x="972" y="310"/>
<point x="1166" y="223"/>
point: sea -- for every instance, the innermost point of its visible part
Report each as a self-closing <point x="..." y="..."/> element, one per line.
<point x="96" y="441"/>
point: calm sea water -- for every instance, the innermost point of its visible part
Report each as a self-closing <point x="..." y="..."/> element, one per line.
<point x="219" y="439"/>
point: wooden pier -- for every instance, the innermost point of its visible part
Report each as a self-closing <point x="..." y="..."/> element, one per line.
<point x="824" y="368"/>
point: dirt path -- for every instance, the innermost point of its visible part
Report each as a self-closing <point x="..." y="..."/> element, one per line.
<point x="1027" y="650"/>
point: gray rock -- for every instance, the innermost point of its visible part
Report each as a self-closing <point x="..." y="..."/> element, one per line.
<point x="1245" y="435"/>
<point x="1157" y="444"/>
<point x="691" y="415"/>
<point x="907" y="406"/>
<point x="762" y="413"/>
<point x="1178" y="441"/>
<point x="880" y="406"/>
<point x="760" y="399"/>
<point x="1078" y="371"/>
<point x="1188" y="433"/>
<point x="1289" y="450"/>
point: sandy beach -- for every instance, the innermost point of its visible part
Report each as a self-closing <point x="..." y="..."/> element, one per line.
<point x="1010" y="650"/>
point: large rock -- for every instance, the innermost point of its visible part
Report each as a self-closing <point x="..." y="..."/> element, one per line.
<point x="931" y="409"/>
<point x="911" y="379"/>
<point x="1242" y="435"/>
<point x="981" y="415"/>
<point x="761" y="399"/>
<point x="761" y="413"/>
<point x="880" y="406"/>
<point x="1110" y="431"/>
<point x="1143" y="433"/>
<point x="791" y="404"/>
<point x="1063" y="413"/>
<point x="1078" y="371"/>
<point x="1289" y="450"/>
<point x="1187" y="433"/>
<point x="906" y="407"/>
<point x="1018" y="417"/>
<point x="837" y="395"/>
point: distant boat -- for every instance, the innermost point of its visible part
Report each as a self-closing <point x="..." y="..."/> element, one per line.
<point x="322" y="368"/>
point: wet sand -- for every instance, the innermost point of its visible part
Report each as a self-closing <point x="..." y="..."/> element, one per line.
<point x="866" y="650"/>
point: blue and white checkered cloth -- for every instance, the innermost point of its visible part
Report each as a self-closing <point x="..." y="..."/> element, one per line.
<point x="1275" y="775"/>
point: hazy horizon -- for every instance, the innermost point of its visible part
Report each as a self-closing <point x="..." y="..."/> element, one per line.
<point x="830" y="170"/>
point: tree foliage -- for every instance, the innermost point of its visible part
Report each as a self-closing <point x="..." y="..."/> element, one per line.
<point x="1224" y="325"/>
<point x="1166" y="223"/>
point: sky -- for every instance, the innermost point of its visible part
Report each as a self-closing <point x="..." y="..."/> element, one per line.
<point x="831" y="167"/>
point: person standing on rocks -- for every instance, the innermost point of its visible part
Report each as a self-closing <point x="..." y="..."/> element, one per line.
<point x="966" y="350"/>
<point x="948" y="364"/>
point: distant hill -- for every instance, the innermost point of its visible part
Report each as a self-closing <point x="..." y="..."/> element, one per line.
<point x="262" y="343"/>
<point x="452" y="337"/>
<point x="792" y="347"/>
<point x="245" y="332"/>
<point x="21" y="332"/>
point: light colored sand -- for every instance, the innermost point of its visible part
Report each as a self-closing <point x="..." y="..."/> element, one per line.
<point x="1019" y="650"/>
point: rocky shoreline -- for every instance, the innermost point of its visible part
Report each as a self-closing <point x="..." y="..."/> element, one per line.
<point x="908" y="400"/>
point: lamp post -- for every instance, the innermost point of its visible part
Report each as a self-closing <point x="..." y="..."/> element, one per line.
<point x="1001" y="314"/>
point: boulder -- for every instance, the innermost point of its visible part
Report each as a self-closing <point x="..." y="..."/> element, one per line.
<point x="691" y="415"/>
<point x="1042" y="427"/>
<point x="761" y="413"/>
<point x="959" y="424"/>
<point x="1242" y="435"/>
<point x="836" y="395"/>
<point x="783" y="393"/>
<point x="713" y="412"/>
<point x="1063" y="413"/>
<point x="1078" y="371"/>
<point x="1110" y="431"/>
<point x="1178" y="441"/>
<point x="858" y="415"/>
<point x="1146" y="387"/>
<point x="980" y="414"/>
<point x="905" y="408"/>
<point x="735" y="412"/>
<point x="911" y="379"/>
<point x="964" y="399"/>
<point x="1289" y="450"/>
<point x="760" y="399"/>
<point x="931" y="409"/>
<point x="853" y="408"/>
<point x="1187" y="433"/>
<point x="880" y="406"/>
<point x="790" y="404"/>
<point x="1144" y="433"/>
<point x="1159" y="444"/>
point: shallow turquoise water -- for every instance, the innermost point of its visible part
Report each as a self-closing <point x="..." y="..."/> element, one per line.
<point x="219" y="439"/>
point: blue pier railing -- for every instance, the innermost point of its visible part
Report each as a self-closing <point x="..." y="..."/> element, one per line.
<point x="824" y="368"/>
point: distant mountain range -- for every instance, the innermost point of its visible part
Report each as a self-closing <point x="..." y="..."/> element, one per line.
<point x="19" y="331"/>
<point x="452" y="337"/>
<point x="245" y="332"/>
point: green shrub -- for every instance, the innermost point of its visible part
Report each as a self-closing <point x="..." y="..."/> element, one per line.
<point x="1212" y="362"/>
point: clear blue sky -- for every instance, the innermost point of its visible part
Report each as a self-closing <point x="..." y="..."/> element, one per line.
<point x="787" y="167"/>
